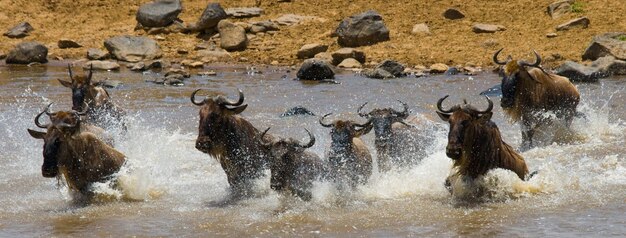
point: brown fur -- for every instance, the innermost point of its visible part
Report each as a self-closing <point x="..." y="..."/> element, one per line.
<point x="350" y="160"/>
<point x="81" y="157"/>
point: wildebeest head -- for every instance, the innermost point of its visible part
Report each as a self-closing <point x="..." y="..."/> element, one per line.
<point x="343" y="131"/>
<point x="384" y="118"/>
<point x="460" y="118"/>
<point x="83" y="91"/>
<point x="61" y="124"/>
<point x="213" y="111"/>
<point x="284" y="152"/>
<point x="511" y="72"/>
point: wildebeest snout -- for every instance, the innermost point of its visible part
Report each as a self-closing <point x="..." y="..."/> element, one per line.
<point x="453" y="152"/>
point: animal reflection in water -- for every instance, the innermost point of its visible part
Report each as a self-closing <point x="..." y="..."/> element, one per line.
<point x="476" y="146"/>
<point x="77" y="152"/>
<point x="530" y="95"/>
<point x="401" y="140"/>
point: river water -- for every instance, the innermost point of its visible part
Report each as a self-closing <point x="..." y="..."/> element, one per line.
<point x="171" y="189"/>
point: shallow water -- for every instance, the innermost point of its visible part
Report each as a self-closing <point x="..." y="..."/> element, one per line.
<point x="580" y="190"/>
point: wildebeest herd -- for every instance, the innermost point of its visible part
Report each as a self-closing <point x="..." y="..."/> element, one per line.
<point x="78" y="147"/>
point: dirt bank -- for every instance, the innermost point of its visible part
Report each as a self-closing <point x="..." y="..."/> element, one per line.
<point x="451" y="41"/>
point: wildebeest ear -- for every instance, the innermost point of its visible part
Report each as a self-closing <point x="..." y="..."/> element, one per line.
<point x="36" y="134"/>
<point x="485" y="117"/>
<point x="443" y="116"/>
<point x="65" y="83"/>
<point x="239" y="109"/>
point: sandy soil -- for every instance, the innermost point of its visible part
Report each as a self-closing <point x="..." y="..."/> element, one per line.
<point x="452" y="42"/>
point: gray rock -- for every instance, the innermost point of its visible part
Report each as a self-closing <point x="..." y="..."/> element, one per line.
<point x="610" y="65"/>
<point x="19" y="31"/>
<point x="581" y="22"/>
<point x="344" y="53"/>
<point x="263" y="26"/>
<point x="420" y="29"/>
<point x="66" y="43"/>
<point x="560" y="8"/>
<point x="363" y="29"/>
<point x="28" y="52"/>
<point x="393" y="67"/>
<point x="452" y="71"/>
<point x="580" y="73"/>
<point x="487" y="28"/>
<point x="378" y="73"/>
<point x="139" y="66"/>
<point x="96" y="54"/>
<point x="133" y="48"/>
<point x="350" y="63"/>
<point x="453" y="14"/>
<point x="243" y="12"/>
<point x="211" y="16"/>
<point x="310" y="50"/>
<point x="315" y="69"/>
<point x="159" y="13"/>
<point x="232" y="37"/>
<point x="101" y="65"/>
<point x="612" y="43"/>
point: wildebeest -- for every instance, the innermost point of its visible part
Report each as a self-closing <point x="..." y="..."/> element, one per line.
<point x="350" y="162"/>
<point x="475" y="144"/>
<point x="529" y="93"/>
<point x="293" y="168"/>
<point x="397" y="143"/>
<point x="102" y="111"/>
<point x="232" y="140"/>
<point x="75" y="153"/>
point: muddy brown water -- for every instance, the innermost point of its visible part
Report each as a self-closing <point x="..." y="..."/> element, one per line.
<point x="580" y="190"/>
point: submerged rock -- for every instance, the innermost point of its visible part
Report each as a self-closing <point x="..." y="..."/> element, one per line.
<point x="28" y="52"/>
<point x="315" y="69"/>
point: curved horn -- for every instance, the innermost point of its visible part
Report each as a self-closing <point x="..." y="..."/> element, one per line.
<point x="311" y="141"/>
<point x="537" y="61"/>
<point x="366" y="124"/>
<point x="263" y="135"/>
<point x="439" y="105"/>
<point x="405" y="112"/>
<point x="495" y="58"/>
<point x="238" y="102"/>
<point x="362" y="114"/>
<point x="322" y="121"/>
<point x="39" y="115"/>
<point x="193" y="96"/>
<point x="489" y="108"/>
<point x="69" y="68"/>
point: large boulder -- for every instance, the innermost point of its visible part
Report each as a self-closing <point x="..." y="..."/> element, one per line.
<point x="579" y="73"/>
<point x="133" y="48"/>
<point x="159" y="13"/>
<point x="28" y="52"/>
<point x="19" y="31"/>
<point x="363" y="29"/>
<point x="232" y="36"/>
<point x="212" y="15"/>
<point x="612" y="43"/>
<point x="315" y="69"/>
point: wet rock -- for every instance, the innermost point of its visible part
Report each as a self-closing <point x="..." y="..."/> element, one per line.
<point x="263" y="26"/>
<point x="297" y="111"/>
<point x="551" y="35"/>
<point x="610" y="65"/>
<point x="211" y="16"/>
<point x="314" y="69"/>
<point x="350" y="63"/>
<point x="66" y="43"/>
<point x="420" y="29"/>
<point x="344" y="53"/>
<point x="452" y="71"/>
<point x="293" y="19"/>
<point x="393" y="67"/>
<point x="243" y="12"/>
<point x="159" y="13"/>
<point x="487" y="28"/>
<point x="133" y="48"/>
<point x="579" y="73"/>
<point x="612" y="43"/>
<point x="582" y="22"/>
<point x="232" y="37"/>
<point x="363" y="29"/>
<point x="96" y="54"/>
<point x="377" y="73"/>
<point x="20" y="30"/>
<point x="453" y="14"/>
<point x="101" y="65"/>
<point x="310" y="50"/>
<point x="438" y="68"/>
<point x="28" y="52"/>
<point x="177" y="71"/>
<point x="560" y="8"/>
